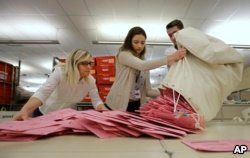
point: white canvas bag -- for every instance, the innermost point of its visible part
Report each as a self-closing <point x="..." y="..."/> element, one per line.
<point x="210" y="71"/>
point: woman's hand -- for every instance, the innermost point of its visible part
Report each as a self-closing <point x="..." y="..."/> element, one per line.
<point x="20" y="116"/>
<point x="27" y="109"/>
<point x="101" y="107"/>
<point x="179" y="54"/>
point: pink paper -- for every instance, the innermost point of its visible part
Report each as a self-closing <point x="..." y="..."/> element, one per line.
<point x="95" y="128"/>
<point x="150" y="128"/>
<point x="19" y="138"/>
<point x="158" y="127"/>
<point x="158" y="136"/>
<point x="163" y="133"/>
<point x="73" y="124"/>
<point x="44" y="131"/>
<point x="109" y="128"/>
<point x="98" y="120"/>
<point x="215" y="145"/>
<point x="59" y="115"/>
<point x="26" y="125"/>
<point x="168" y="124"/>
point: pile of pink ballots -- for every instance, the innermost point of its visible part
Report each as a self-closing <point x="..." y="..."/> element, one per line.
<point x="159" y="118"/>
<point x="173" y="108"/>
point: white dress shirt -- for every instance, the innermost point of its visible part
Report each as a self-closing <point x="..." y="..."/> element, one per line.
<point x="56" y="93"/>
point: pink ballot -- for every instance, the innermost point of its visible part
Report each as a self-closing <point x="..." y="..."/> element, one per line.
<point x="215" y="145"/>
<point x="96" y="129"/>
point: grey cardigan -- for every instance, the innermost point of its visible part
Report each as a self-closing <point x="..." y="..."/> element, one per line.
<point x="126" y="66"/>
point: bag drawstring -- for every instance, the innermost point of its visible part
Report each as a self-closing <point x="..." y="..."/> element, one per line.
<point x="175" y="102"/>
<point x="196" y="118"/>
<point x="177" y="114"/>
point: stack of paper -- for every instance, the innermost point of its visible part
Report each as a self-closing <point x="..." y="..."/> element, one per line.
<point x="172" y="107"/>
<point x="104" y="124"/>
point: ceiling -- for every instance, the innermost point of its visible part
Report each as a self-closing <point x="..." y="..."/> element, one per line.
<point x="76" y="23"/>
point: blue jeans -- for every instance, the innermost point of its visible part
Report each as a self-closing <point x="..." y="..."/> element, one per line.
<point x="37" y="113"/>
<point x="133" y="105"/>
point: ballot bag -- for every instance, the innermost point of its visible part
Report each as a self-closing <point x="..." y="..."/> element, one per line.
<point x="209" y="72"/>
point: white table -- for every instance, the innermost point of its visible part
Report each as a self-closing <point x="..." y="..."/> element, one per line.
<point x="77" y="146"/>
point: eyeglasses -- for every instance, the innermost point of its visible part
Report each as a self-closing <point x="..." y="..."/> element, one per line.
<point x="87" y="63"/>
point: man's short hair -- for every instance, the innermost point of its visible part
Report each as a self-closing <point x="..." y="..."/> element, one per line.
<point x="174" y="23"/>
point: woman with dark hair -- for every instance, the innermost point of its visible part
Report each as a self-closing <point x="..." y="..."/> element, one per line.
<point x="66" y="86"/>
<point x="132" y="83"/>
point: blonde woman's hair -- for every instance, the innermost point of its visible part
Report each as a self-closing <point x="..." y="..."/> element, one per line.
<point x="71" y="72"/>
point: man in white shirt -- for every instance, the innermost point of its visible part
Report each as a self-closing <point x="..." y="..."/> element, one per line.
<point x="171" y="28"/>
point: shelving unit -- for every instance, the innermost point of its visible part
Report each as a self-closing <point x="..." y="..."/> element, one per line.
<point x="9" y="79"/>
<point x="230" y="111"/>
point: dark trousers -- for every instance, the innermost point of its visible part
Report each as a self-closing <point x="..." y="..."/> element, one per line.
<point x="37" y="113"/>
<point x="133" y="105"/>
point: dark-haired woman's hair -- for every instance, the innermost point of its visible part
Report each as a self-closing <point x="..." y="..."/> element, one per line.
<point x="127" y="45"/>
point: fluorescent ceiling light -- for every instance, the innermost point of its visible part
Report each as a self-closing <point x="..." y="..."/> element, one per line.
<point x="161" y="44"/>
<point x="232" y="32"/>
<point x="31" y="89"/>
<point x="20" y="27"/>
<point x="10" y="42"/>
<point x="120" y="43"/>
<point x="26" y="68"/>
<point x="240" y="46"/>
<point x="118" y="30"/>
<point x="46" y="64"/>
<point x="35" y="80"/>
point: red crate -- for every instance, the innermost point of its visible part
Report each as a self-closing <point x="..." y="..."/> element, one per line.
<point x="6" y="72"/>
<point x="104" y="89"/>
<point x="105" y="60"/>
<point x="103" y="96"/>
<point x="105" y="69"/>
<point x="105" y="79"/>
<point x="5" y="93"/>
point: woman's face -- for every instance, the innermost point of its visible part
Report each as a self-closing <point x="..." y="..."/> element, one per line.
<point x="85" y="67"/>
<point x="138" y="43"/>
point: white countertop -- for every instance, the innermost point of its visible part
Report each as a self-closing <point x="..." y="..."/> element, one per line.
<point x="80" y="146"/>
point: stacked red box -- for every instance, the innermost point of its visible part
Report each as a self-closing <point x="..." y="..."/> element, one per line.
<point x="104" y="90"/>
<point x="105" y="74"/>
<point x="8" y="82"/>
<point x="105" y="60"/>
<point x="106" y="69"/>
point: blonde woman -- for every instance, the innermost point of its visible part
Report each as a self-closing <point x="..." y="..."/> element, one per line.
<point x="67" y="85"/>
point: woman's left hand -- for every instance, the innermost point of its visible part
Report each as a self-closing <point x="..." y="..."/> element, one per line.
<point x="101" y="107"/>
<point x="178" y="55"/>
